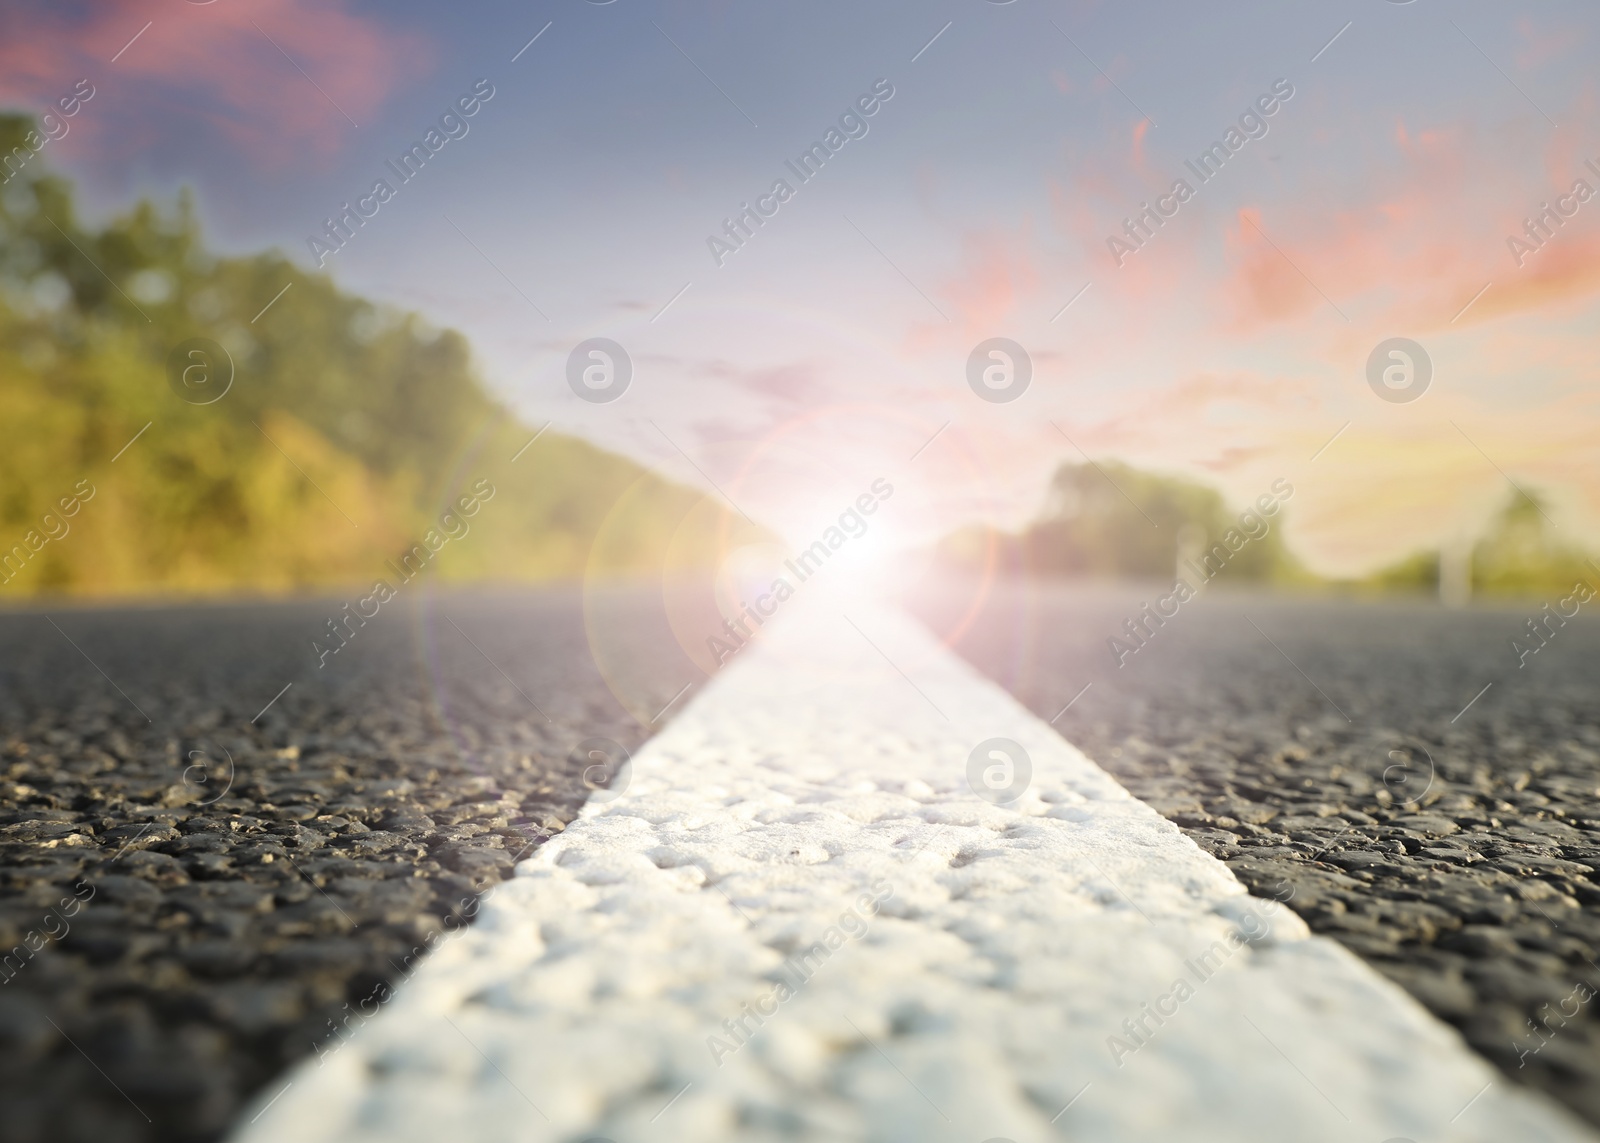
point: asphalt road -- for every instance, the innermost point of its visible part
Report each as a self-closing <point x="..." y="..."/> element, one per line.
<point x="199" y="881"/>
<point x="1345" y="759"/>
<point x="197" y="877"/>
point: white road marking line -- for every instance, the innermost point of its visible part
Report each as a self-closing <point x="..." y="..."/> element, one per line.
<point x="795" y="784"/>
<point x="1070" y="1102"/>
<point x="1121" y="892"/>
<point x="672" y="1101"/>
<point x="896" y="1067"/>
<point x="1296" y="1067"/>
<point x="496" y="1067"/>
<point x="893" y="664"/>
<point x="1471" y="1101"/>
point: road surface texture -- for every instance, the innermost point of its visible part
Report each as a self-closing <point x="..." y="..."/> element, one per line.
<point x="1320" y="750"/>
<point x="816" y="908"/>
<point x="180" y="930"/>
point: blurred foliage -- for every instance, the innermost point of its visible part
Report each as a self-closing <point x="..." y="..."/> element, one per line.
<point x="1417" y="573"/>
<point x="349" y="428"/>
<point x="1518" y="555"/>
<point x="1116" y="522"/>
<point x="1113" y="521"/>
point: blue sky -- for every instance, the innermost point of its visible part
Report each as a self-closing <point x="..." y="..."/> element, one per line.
<point x="834" y="344"/>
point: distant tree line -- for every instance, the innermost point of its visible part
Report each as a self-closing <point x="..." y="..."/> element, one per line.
<point x="1108" y="520"/>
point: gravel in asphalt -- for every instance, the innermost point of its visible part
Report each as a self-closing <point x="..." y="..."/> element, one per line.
<point x="1345" y="759"/>
<point x="200" y="882"/>
<point x="818" y="914"/>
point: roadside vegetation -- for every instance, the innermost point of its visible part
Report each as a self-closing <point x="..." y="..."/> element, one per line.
<point x="1112" y="521"/>
<point x="348" y="430"/>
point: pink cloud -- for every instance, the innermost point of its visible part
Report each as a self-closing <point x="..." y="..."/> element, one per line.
<point x="1427" y="237"/>
<point x="997" y="276"/>
<point x="223" y="65"/>
<point x="1139" y="130"/>
<point x="1540" y="46"/>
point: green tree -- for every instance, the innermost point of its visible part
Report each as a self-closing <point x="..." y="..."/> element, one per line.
<point x="349" y="427"/>
<point x="1111" y="520"/>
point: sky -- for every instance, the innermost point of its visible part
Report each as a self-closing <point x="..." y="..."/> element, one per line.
<point x="1226" y="337"/>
